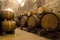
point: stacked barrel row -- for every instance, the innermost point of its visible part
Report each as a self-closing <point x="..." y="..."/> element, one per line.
<point x="7" y="22"/>
<point x="45" y="20"/>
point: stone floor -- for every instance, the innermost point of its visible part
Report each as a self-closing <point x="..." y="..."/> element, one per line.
<point x="23" y="35"/>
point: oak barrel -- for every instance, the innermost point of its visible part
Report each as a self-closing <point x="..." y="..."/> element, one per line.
<point x="58" y="15"/>
<point x="33" y="21"/>
<point x="7" y="15"/>
<point x="40" y="10"/>
<point x="49" y="21"/>
<point x="8" y="25"/>
<point x="23" y="21"/>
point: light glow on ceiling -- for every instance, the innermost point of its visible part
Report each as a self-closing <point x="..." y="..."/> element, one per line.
<point x="20" y="1"/>
<point x="9" y="9"/>
<point x="22" y="4"/>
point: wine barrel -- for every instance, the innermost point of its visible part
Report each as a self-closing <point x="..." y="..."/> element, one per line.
<point x="43" y="10"/>
<point x="23" y="21"/>
<point x="47" y="9"/>
<point x="49" y="21"/>
<point x="40" y="10"/>
<point x="17" y="20"/>
<point x="33" y="21"/>
<point x="7" y="15"/>
<point x="8" y="26"/>
<point x="18" y="23"/>
<point x="58" y="15"/>
<point x="29" y="13"/>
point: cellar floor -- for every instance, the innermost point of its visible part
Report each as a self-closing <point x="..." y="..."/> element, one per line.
<point x="23" y="35"/>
